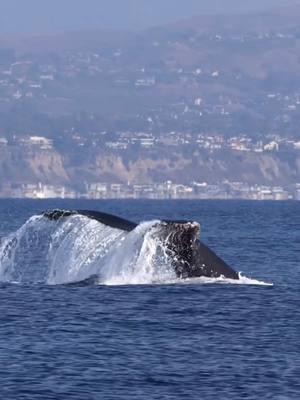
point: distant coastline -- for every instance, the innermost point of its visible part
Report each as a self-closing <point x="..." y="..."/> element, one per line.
<point x="159" y="191"/>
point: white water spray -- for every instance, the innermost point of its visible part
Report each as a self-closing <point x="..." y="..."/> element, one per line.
<point x="75" y="248"/>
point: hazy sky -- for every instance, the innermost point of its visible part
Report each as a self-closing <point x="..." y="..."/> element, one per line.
<point x="42" y="16"/>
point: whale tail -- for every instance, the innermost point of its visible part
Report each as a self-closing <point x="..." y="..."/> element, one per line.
<point x="188" y="255"/>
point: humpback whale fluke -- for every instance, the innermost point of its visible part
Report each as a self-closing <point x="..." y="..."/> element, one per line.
<point x="189" y="256"/>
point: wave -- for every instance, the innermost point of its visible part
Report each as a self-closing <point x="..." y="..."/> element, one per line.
<point x="75" y="248"/>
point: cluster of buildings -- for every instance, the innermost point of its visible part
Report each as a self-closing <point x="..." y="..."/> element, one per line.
<point x="127" y="140"/>
<point x="166" y="190"/>
<point x="45" y="78"/>
<point x="205" y="141"/>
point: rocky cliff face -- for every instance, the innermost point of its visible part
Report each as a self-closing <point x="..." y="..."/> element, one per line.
<point x="26" y="165"/>
<point x="19" y="165"/>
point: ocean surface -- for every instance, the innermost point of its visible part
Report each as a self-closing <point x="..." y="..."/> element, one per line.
<point x="140" y="333"/>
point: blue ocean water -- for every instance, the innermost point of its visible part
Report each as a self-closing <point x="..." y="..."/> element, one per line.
<point x="169" y="341"/>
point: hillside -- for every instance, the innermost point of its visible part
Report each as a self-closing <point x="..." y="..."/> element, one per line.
<point x="224" y="76"/>
<point x="206" y="72"/>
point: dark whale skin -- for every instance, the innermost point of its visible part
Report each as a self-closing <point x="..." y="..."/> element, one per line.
<point x="191" y="258"/>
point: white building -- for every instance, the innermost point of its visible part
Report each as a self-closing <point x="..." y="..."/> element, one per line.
<point x="41" y="141"/>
